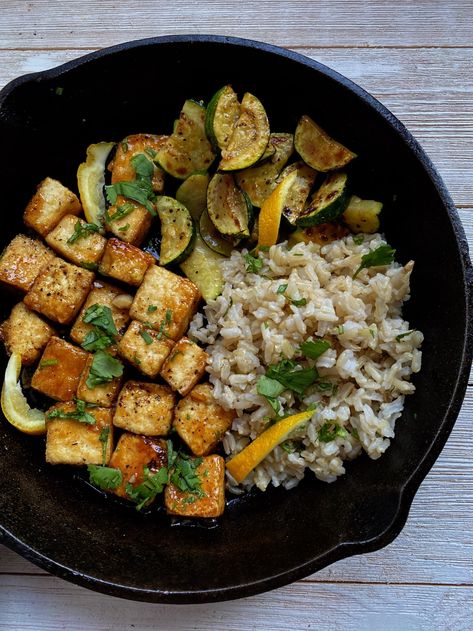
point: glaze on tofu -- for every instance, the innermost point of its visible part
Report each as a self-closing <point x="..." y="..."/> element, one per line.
<point x="65" y="240"/>
<point x="132" y="455"/>
<point x="145" y="408"/>
<point x="26" y="333"/>
<point x="51" y="202"/>
<point x="210" y="502"/>
<point x="59" y="370"/>
<point x="125" y="262"/>
<point x="69" y="441"/>
<point x="144" y="348"/>
<point x="21" y="262"/>
<point x="167" y="301"/>
<point x="200" y="421"/>
<point x="59" y="291"/>
<point x="185" y="366"/>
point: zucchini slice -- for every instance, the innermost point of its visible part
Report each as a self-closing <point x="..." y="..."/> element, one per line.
<point x="327" y="203"/>
<point x="318" y="149"/>
<point x="212" y="237"/>
<point x="222" y="116"/>
<point x="361" y="215"/>
<point x="261" y="180"/>
<point x="193" y="194"/>
<point x="322" y="234"/>
<point x="203" y="267"/>
<point x="229" y="208"/>
<point x="187" y="150"/>
<point x="299" y="192"/>
<point x="177" y="230"/>
<point x="91" y="180"/>
<point x="249" y="138"/>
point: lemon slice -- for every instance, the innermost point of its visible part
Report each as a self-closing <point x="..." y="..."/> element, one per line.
<point x="91" y="180"/>
<point x="271" y="211"/>
<point x="244" y="462"/>
<point x="14" y="405"/>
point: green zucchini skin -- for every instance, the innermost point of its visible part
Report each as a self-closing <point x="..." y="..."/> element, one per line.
<point x="178" y="230"/>
<point x="203" y="267"/>
<point x="328" y="202"/>
<point x="228" y="207"/>
<point x="221" y="116"/>
<point x="212" y="237"/>
<point x="188" y="149"/>
<point x="193" y="194"/>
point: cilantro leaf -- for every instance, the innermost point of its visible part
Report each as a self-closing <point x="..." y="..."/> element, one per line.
<point x="122" y="211"/>
<point x="44" y="363"/>
<point x="104" y="478"/>
<point x="137" y="190"/>
<point x="79" y="414"/>
<point x="299" y="303"/>
<point x="103" y="437"/>
<point x="152" y="485"/>
<point x="165" y="322"/>
<point x="253" y="264"/>
<point x="143" y="166"/>
<point x="104" y="369"/>
<point x="382" y="255"/>
<point x="288" y="373"/>
<point x="95" y="340"/>
<point x="101" y="317"/>
<point x="329" y="431"/>
<point x="81" y="230"/>
<point x="281" y="289"/>
<point x="146" y="337"/>
<point x="358" y="239"/>
<point x="184" y="475"/>
<point x="402" y="335"/>
<point x="313" y="349"/>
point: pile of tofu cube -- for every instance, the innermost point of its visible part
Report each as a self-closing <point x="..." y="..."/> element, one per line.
<point x="58" y="282"/>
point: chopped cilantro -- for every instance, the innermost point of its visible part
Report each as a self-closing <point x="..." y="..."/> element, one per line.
<point x="340" y="329"/>
<point x="291" y="376"/>
<point x="103" y="437"/>
<point x="401" y="335"/>
<point x="151" y="152"/>
<point x="90" y="265"/>
<point x="270" y="389"/>
<point x="313" y="349"/>
<point x="152" y="485"/>
<point x="184" y="474"/>
<point x="101" y="317"/>
<point x="382" y="255"/>
<point x="81" y="230"/>
<point x="104" y="478"/>
<point x="152" y="308"/>
<point x="48" y="362"/>
<point x="136" y="190"/>
<point x="124" y="228"/>
<point x="121" y="211"/>
<point x="59" y="90"/>
<point x="253" y="264"/>
<point x="165" y="322"/>
<point x="79" y="414"/>
<point x="329" y="431"/>
<point x="146" y="336"/>
<point x="281" y="289"/>
<point x="299" y="303"/>
<point x="358" y="239"/>
<point x="104" y="369"/>
<point x="95" y="340"/>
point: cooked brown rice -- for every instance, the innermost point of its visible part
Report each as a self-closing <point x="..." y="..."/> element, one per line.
<point x="250" y="326"/>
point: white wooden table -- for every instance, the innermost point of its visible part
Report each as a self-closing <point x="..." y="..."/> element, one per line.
<point x="416" y="56"/>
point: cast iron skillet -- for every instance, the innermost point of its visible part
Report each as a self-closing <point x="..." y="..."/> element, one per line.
<point x="264" y="540"/>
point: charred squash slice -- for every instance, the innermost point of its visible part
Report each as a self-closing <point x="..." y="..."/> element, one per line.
<point x="177" y="231"/>
<point x="299" y="192"/>
<point x="327" y="203"/>
<point x="222" y="116"/>
<point x="318" y="149"/>
<point x="193" y="194"/>
<point x="229" y="208"/>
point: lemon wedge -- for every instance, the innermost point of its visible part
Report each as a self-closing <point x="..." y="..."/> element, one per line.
<point x="14" y="405"/>
<point x="271" y="211"/>
<point x="91" y="180"/>
<point x="245" y="461"/>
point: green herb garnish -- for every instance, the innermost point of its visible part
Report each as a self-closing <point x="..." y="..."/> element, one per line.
<point x="146" y="337"/>
<point x="104" y="478"/>
<point x="81" y="230"/>
<point x="329" y="431"/>
<point x="48" y="362"/>
<point x="151" y="152"/>
<point x="121" y="211"/>
<point x="95" y="340"/>
<point x="299" y="303"/>
<point x="124" y="228"/>
<point x="165" y="322"/>
<point x="59" y="90"/>
<point x="103" y="437"/>
<point x="253" y="264"/>
<point x="152" y="308"/>
<point x="101" y="317"/>
<point x="104" y="368"/>
<point x="358" y="239"/>
<point x="281" y="289"/>
<point x="184" y="474"/>
<point x="313" y="349"/>
<point x="270" y="389"/>
<point x="80" y="414"/>
<point x="290" y="375"/>
<point x="90" y="265"/>
<point x="152" y="485"/>
<point x="383" y="255"/>
<point x="401" y="335"/>
<point x="135" y="190"/>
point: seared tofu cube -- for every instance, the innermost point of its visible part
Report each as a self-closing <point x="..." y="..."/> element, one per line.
<point x="108" y="296"/>
<point x="185" y="366"/>
<point x="103" y="394"/>
<point x="209" y="501"/>
<point x="133" y="454"/>
<point x="25" y="333"/>
<point x="145" y="348"/>
<point x="69" y="441"/>
<point x="59" y="370"/>
<point x="125" y="262"/>
<point x="145" y="408"/>
<point x="75" y="242"/>
<point x="51" y="202"/>
<point x="132" y="226"/>
<point x="59" y="291"/>
<point x="22" y="260"/>
<point x="200" y="421"/>
<point x="167" y="301"/>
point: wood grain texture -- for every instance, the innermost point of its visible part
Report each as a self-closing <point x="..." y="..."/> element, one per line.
<point x="88" y="23"/>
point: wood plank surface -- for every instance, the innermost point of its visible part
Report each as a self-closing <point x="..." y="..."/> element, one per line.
<point x="416" y="57"/>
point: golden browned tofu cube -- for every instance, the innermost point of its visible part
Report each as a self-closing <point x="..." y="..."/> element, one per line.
<point x="103" y="394"/>
<point x="59" y="370"/>
<point x="48" y="206"/>
<point x="70" y="441"/>
<point x="210" y="501"/>
<point x="145" y="348"/>
<point x="132" y="455"/>
<point x="22" y="260"/>
<point x="145" y="408"/>
<point x="167" y="301"/>
<point x="73" y="240"/>
<point x="185" y="366"/>
<point x="59" y="291"/>
<point x="125" y="262"/>
<point x="109" y="296"/>
<point x="25" y="333"/>
<point x="200" y="421"/>
<point x="127" y="219"/>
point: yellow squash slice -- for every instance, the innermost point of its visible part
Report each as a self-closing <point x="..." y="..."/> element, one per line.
<point x="91" y="180"/>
